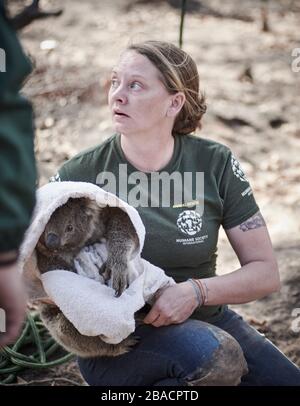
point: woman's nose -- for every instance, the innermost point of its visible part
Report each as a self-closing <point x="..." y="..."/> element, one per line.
<point x="119" y="95"/>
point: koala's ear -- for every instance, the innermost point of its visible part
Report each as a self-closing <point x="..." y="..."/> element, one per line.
<point x="81" y="203"/>
<point x="84" y="202"/>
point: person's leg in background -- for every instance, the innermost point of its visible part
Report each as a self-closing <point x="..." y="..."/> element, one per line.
<point x="267" y="365"/>
<point x="192" y="353"/>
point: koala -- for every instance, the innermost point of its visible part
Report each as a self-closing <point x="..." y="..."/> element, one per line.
<point x="63" y="331"/>
<point x="81" y="222"/>
<point x="78" y="223"/>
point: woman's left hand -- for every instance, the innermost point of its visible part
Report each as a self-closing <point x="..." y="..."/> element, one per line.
<point x="173" y="306"/>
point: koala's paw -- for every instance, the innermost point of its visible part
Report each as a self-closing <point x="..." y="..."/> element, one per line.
<point x="105" y="272"/>
<point x="117" y="275"/>
<point x="131" y="341"/>
<point x="119" y="281"/>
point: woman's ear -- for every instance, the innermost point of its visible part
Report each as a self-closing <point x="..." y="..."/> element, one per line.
<point x="177" y="101"/>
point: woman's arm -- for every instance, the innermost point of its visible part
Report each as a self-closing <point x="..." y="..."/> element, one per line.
<point x="258" y="275"/>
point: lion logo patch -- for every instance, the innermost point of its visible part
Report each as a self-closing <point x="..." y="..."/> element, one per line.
<point x="189" y="222"/>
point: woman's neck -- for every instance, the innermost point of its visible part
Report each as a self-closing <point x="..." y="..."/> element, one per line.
<point x="148" y="154"/>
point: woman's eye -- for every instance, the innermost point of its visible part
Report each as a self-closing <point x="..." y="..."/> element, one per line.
<point x="132" y="85"/>
<point x="114" y="83"/>
<point x="69" y="228"/>
<point x="135" y="85"/>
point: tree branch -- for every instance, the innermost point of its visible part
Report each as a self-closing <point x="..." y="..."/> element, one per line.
<point x="31" y="13"/>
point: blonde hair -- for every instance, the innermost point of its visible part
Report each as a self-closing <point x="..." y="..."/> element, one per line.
<point x="178" y="73"/>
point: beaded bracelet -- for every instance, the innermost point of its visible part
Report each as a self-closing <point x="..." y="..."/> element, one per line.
<point x="197" y="291"/>
<point x="203" y="289"/>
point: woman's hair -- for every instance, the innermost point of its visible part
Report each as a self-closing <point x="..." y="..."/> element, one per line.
<point x="178" y="74"/>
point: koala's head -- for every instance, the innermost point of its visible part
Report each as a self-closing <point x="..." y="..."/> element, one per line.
<point x="70" y="226"/>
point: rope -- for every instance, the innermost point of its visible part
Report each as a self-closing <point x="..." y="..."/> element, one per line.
<point x="18" y="357"/>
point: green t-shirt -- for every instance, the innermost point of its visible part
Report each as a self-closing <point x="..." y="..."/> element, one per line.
<point x="180" y="237"/>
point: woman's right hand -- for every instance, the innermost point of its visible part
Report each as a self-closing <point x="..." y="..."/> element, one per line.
<point x="174" y="305"/>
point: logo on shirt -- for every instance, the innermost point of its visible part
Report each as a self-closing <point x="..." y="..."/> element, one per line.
<point x="187" y="204"/>
<point x="237" y="169"/>
<point x="55" y="178"/>
<point x="189" y="222"/>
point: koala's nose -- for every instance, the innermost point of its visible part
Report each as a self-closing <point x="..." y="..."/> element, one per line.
<point x="52" y="241"/>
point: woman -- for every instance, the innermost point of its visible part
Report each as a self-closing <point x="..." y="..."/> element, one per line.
<point x="155" y="103"/>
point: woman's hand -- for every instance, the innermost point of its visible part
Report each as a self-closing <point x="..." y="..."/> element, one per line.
<point x="12" y="304"/>
<point x="173" y="306"/>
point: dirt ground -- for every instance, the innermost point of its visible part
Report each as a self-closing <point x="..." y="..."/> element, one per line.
<point x="253" y="107"/>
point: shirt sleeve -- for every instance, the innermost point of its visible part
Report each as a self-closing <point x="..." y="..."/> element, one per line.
<point x="72" y="170"/>
<point x="76" y="169"/>
<point x="236" y="194"/>
<point x="17" y="161"/>
<point x="60" y="176"/>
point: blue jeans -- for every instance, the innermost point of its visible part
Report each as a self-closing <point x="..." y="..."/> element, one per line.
<point x="174" y="355"/>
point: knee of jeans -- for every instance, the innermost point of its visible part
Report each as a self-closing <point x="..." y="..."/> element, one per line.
<point x="225" y="367"/>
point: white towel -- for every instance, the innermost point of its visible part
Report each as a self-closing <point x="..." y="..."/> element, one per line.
<point x="90" y="305"/>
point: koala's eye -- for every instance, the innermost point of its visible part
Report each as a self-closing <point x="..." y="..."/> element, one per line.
<point x="69" y="228"/>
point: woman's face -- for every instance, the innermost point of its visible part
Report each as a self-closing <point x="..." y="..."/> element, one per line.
<point x="137" y="98"/>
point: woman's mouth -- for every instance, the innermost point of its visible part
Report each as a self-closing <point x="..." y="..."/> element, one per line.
<point x="120" y="114"/>
<point x="120" y="117"/>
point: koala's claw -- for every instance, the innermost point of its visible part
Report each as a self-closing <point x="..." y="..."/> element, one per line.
<point x="105" y="271"/>
<point x="119" y="285"/>
<point x="119" y="278"/>
<point x="137" y="339"/>
<point x="119" y="282"/>
<point x="132" y="341"/>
